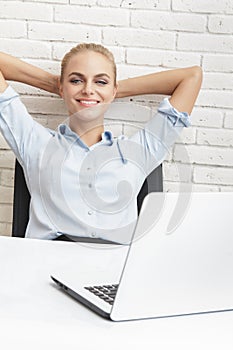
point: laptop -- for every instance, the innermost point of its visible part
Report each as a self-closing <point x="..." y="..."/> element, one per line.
<point x="179" y="262"/>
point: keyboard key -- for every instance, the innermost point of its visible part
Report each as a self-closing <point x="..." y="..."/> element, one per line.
<point x="89" y="288"/>
<point x="106" y="292"/>
<point x="98" y="294"/>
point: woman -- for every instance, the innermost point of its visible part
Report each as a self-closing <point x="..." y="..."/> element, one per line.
<point x="82" y="181"/>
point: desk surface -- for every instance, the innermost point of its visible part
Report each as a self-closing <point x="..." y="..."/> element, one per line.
<point x="34" y="314"/>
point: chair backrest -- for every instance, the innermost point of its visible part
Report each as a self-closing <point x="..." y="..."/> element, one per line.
<point x="153" y="183"/>
<point x="21" y="203"/>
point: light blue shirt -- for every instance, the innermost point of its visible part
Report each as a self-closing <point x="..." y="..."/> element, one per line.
<point x="80" y="190"/>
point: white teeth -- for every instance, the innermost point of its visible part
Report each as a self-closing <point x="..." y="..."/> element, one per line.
<point x="88" y="102"/>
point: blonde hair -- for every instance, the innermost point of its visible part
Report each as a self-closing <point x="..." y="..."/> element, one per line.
<point x="88" y="47"/>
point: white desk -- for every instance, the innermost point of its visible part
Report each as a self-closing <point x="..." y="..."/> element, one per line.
<point x="34" y="314"/>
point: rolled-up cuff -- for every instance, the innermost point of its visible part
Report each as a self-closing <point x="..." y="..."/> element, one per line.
<point x="177" y="118"/>
<point x="7" y="96"/>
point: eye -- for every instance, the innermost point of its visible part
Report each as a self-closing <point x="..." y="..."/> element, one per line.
<point x="101" y="82"/>
<point x="75" y="81"/>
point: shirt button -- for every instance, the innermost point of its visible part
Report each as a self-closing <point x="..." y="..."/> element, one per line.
<point x="93" y="234"/>
<point x="90" y="185"/>
<point x="90" y="212"/>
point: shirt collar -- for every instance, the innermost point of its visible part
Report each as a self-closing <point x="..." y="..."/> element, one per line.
<point x="107" y="137"/>
<point x="65" y="130"/>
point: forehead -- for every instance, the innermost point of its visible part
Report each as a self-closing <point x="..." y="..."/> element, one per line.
<point x="89" y="63"/>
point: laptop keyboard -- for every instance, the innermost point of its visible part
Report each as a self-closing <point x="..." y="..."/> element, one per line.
<point x="105" y="292"/>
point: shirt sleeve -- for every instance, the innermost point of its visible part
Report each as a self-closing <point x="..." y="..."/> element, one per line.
<point x="19" y="129"/>
<point x="159" y="134"/>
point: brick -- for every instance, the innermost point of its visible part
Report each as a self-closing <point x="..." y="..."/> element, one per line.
<point x="24" y="89"/>
<point x="169" y="155"/>
<point x="215" y="98"/>
<point x="52" y="1"/>
<point x="169" y="186"/>
<point x="43" y="120"/>
<point x="23" y="10"/>
<point x="26" y="48"/>
<point x="218" y="63"/>
<point x="221" y="24"/>
<point x="44" y="105"/>
<point x="218" y="81"/>
<point x="59" y="50"/>
<point x="215" y="137"/>
<point x="129" y="112"/>
<point x="207" y="117"/>
<point x="118" y="53"/>
<point x="13" y="29"/>
<point x="150" y="100"/>
<point x="3" y="143"/>
<point x="48" y="65"/>
<point x="228" y="122"/>
<point x="63" y="32"/>
<point x="114" y="127"/>
<point x="150" y="57"/>
<point x="220" y="156"/>
<point x="205" y="42"/>
<point x="213" y="175"/>
<point x="7" y="159"/>
<point x="177" y="172"/>
<point x="93" y="15"/>
<point x="5" y="229"/>
<point x="205" y="188"/>
<point x="53" y="121"/>
<point x="132" y="128"/>
<point x="81" y="2"/>
<point x="129" y="71"/>
<point x="181" y="59"/>
<point x="207" y="6"/>
<point x="145" y="56"/>
<point x="139" y="38"/>
<point x="6" y="195"/>
<point x="168" y="21"/>
<point x="226" y="188"/>
<point x="188" y="136"/>
<point x="136" y="4"/>
<point x="5" y="212"/>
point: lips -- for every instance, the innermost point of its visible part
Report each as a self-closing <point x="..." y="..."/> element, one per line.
<point x="87" y="103"/>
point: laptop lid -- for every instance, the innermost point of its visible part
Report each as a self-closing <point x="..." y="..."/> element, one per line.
<point x="181" y="259"/>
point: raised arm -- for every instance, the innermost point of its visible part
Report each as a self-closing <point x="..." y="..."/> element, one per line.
<point x="15" y="69"/>
<point x="3" y="83"/>
<point x="183" y="85"/>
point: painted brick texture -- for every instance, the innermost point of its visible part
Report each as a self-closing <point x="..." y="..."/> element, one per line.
<point x="145" y="36"/>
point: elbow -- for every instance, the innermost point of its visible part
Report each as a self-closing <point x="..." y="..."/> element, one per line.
<point x="197" y="73"/>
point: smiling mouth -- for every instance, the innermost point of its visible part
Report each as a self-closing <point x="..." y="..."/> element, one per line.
<point x="88" y="103"/>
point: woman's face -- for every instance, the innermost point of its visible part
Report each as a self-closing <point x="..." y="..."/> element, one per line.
<point x="88" y="81"/>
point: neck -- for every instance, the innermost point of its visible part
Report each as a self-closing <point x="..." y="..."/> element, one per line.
<point x="90" y="135"/>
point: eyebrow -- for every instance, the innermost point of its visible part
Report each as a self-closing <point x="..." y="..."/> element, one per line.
<point x="96" y="76"/>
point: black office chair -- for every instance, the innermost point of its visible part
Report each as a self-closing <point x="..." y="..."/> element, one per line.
<point x="21" y="203"/>
<point x="153" y="183"/>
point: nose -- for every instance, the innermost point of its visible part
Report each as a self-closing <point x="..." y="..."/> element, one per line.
<point x="88" y="88"/>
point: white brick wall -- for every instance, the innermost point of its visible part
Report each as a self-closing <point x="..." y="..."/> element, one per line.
<point x="145" y="36"/>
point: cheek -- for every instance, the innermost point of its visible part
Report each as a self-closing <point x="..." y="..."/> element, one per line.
<point x="109" y="95"/>
<point x="67" y="92"/>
